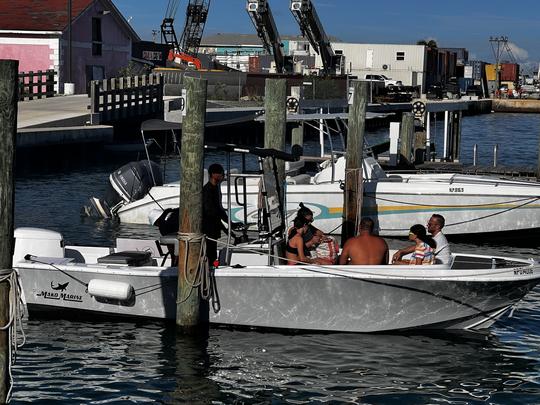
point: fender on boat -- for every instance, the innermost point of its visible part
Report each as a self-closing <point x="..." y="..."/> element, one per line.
<point x="115" y="290"/>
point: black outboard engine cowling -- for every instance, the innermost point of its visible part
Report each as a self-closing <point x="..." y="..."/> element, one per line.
<point x="135" y="179"/>
<point x="169" y="221"/>
<point x="129" y="183"/>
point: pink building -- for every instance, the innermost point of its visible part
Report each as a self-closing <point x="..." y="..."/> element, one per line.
<point x="36" y="33"/>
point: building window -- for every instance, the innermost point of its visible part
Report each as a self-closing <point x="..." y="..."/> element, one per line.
<point x="96" y="37"/>
<point x="400" y="55"/>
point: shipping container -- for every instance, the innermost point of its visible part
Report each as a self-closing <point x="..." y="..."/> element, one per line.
<point x="478" y="69"/>
<point x="509" y="72"/>
<point x="491" y="72"/>
<point x="254" y="64"/>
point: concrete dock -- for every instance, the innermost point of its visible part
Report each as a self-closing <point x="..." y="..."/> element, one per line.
<point x="65" y="120"/>
<point x="60" y="120"/>
<point x="516" y="105"/>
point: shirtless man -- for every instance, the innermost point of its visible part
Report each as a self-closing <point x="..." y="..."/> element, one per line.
<point x="365" y="248"/>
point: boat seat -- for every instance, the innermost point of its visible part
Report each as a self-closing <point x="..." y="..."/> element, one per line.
<point x="127" y="258"/>
<point x="293" y="168"/>
<point x="299" y="179"/>
<point x="171" y="241"/>
<point x="142" y="245"/>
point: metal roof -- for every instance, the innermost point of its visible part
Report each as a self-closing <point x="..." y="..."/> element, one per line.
<point x="51" y="15"/>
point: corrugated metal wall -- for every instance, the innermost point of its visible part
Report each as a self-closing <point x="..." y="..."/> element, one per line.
<point x="399" y="62"/>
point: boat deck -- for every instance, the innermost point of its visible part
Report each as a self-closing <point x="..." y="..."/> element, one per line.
<point x="525" y="172"/>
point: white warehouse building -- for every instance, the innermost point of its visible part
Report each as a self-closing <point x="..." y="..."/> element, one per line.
<point x="406" y="63"/>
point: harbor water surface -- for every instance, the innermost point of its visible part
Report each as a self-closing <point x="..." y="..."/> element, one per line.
<point x="102" y="362"/>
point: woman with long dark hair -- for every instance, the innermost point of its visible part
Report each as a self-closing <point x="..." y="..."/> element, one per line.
<point x="296" y="248"/>
<point x="313" y="236"/>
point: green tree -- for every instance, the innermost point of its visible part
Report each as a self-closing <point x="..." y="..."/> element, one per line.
<point x="134" y="69"/>
<point x="430" y="43"/>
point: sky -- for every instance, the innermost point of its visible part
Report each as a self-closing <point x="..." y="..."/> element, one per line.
<point x="459" y="23"/>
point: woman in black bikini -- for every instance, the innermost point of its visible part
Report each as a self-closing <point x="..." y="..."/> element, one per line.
<point x="295" y="250"/>
<point x="313" y="236"/>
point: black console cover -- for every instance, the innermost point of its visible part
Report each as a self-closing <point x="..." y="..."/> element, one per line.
<point x="130" y="258"/>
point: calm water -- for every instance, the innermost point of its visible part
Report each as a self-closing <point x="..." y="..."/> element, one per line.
<point x="85" y="362"/>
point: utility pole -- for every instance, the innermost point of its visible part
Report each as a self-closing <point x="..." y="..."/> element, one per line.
<point x="499" y="45"/>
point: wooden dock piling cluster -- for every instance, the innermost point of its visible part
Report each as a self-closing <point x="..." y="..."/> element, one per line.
<point x="8" y="131"/>
<point x="191" y="312"/>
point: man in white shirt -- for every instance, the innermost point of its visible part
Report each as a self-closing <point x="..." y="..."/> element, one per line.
<point x="442" y="250"/>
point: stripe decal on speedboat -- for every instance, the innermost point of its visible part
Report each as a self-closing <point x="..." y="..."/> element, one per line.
<point x="324" y="212"/>
<point x="336" y="212"/>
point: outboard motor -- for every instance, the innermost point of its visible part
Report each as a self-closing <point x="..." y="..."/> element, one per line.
<point x="129" y="183"/>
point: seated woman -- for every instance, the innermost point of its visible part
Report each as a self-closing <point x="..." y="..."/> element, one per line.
<point x="313" y="236"/>
<point x="318" y="245"/>
<point x="423" y="250"/>
<point x="295" y="249"/>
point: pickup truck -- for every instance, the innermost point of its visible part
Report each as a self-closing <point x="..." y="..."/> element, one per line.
<point x="382" y="78"/>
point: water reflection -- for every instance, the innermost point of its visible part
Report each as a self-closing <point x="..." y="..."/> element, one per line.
<point x="362" y="368"/>
<point x="111" y="362"/>
<point x="151" y="362"/>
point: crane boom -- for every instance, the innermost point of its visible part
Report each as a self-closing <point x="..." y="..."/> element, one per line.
<point x="196" y="15"/>
<point x="263" y="20"/>
<point x="186" y="51"/>
<point x="311" y="27"/>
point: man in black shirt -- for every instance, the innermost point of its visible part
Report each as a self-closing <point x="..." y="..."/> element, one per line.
<point x="213" y="211"/>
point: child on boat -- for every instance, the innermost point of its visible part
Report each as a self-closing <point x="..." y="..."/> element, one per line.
<point x="423" y="250"/>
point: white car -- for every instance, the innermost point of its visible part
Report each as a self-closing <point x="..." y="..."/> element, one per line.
<point x="382" y="78"/>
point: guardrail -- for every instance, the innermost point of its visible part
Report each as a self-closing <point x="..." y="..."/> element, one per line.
<point x="122" y="98"/>
<point x="38" y="84"/>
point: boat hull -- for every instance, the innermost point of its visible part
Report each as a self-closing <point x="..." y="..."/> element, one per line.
<point x="154" y="291"/>
<point x="394" y="206"/>
<point x="340" y="298"/>
<point x="365" y="305"/>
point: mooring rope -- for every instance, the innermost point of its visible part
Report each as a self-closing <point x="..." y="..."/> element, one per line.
<point x="204" y="277"/>
<point x="14" y="322"/>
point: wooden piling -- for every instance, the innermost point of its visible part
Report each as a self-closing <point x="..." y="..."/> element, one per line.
<point x="8" y="130"/>
<point x="275" y="121"/>
<point x="352" y="202"/>
<point x="297" y="136"/>
<point x="406" y="138"/>
<point x="456" y="135"/>
<point x="189" y="309"/>
<point x="538" y="165"/>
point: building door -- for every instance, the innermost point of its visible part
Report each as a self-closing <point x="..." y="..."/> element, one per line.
<point x="369" y="58"/>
